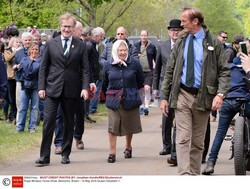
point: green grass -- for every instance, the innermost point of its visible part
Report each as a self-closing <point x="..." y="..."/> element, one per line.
<point x="14" y="145"/>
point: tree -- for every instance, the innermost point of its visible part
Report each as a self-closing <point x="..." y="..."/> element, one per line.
<point x="31" y="12"/>
<point x="243" y="7"/>
<point x="91" y="17"/>
<point x="221" y="15"/>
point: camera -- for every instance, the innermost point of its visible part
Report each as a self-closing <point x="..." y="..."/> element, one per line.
<point x="243" y="47"/>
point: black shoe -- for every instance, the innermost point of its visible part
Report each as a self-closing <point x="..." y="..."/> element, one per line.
<point x="65" y="160"/>
<point x="111" y="158"/>
<point x="172" y="161"/>
<point x="209" y="168"/>
<point x="165" y="151"/>
<point x="43" y="161"/>
<point x="146" y="112"/>
<point x="128" y="153"/>
<point x="90" y="119"/>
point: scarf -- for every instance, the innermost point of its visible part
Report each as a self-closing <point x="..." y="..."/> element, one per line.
<point x="115" y="47"/>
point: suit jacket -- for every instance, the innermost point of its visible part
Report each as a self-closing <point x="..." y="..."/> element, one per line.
<point x="94" y="65"/>
<point x="163" y="54"/>
<point x="61" y="74"/>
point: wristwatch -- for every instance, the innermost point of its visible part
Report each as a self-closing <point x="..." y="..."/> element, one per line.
<point x="221" y="95"/>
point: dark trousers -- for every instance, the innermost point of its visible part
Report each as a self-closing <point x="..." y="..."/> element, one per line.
<point x="79" y="119"/>
<point x="86" y="107"/>
<point x="10" y="100"/>
<point x="214" y="113"/>
<point x="50" y="112"/>
<point x="206" y="142"/>
<point x="167" y="124"/>
<point x="78" y="123"/>
<point x="59" y="127"/>
<point x="207" y="139"/>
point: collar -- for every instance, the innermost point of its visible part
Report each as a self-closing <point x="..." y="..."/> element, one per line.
<point x="172" y="43"/>
<point x="200" y="34"/>
<point x="70" y="38"/>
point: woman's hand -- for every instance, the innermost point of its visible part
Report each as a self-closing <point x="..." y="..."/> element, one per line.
<point x="16" y="66"/>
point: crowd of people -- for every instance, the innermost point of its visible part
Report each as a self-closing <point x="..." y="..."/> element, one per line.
<point x="63" y="77"/>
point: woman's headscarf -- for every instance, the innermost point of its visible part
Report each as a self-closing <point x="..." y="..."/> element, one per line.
<point x="115" y="47"/>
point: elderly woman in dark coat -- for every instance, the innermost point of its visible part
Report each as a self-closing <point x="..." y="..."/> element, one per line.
<point x="124" y="78"/>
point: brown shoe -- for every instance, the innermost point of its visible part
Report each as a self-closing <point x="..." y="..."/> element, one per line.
<point x="79" y="145"/>
<point x="58" y="150"/>
<point x="13" y="121"/>
<point x="172" y="161"/>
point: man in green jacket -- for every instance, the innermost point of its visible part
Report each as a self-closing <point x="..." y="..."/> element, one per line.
<point x="196" y="81"/>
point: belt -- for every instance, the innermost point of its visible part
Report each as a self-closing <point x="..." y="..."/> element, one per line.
<point x="191" y="90"/>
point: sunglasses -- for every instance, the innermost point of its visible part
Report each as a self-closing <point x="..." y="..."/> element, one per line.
<point x="120" y="34"/>
<point x="224" y="37"/>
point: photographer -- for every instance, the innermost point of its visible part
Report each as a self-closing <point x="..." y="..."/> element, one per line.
<point x="239" y="89"/>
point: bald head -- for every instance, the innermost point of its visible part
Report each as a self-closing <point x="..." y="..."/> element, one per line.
<point x="78" y="30"/>
<point x="121" y="33"/>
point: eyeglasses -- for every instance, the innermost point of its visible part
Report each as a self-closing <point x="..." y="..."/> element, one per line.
<point x="120" y="34"/>
<point x="224" y="37"/>
<point x="175" y="30"/>
<point x="65" y="26"/>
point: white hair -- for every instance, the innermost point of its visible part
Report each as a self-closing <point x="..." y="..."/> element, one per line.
<point x="27" y="35"/>
<point x="97" y="31"/>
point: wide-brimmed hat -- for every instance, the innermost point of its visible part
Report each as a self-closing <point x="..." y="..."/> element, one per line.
<point x="175" y="23"/>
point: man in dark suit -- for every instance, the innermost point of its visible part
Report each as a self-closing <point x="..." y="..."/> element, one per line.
<point x="63" y="76"/>
<point x="163" y="54"/>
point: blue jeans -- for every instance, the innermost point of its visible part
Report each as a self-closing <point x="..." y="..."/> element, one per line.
<point x="228" y="110"/>
<point x="41" y="108"/>
<point x="25" y="97"/>
<point x="94" y="102"/>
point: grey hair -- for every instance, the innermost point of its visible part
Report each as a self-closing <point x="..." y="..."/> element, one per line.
<point x="97" y="31"/>
<point x="87" y="30"/>
<point x="27" y="35"/>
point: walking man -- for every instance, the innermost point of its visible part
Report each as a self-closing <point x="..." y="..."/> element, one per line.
<point x="63" y="77"/>
<point x="163" y="54"/>
<point x="196" y="80"/>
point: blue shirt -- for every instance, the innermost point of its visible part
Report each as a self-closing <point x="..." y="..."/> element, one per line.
<point x="198" y="56"/>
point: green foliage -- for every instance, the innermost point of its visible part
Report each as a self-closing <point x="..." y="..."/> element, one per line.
<point x="153" y="15"/>
<point x="43" y="13"/>
<point x="243" y="7"/>
<point x="221" y="15"/>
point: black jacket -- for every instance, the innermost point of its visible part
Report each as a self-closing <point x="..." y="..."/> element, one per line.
<point x="94" y="65"/>
<point x="151" y="53"/>
<point x="59" y="74"/>
<point x="3" y="78"/>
